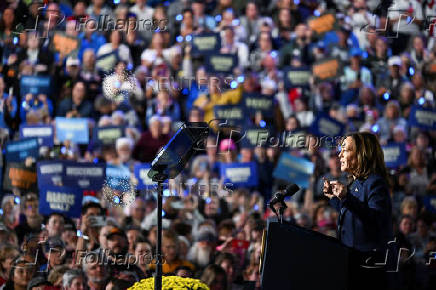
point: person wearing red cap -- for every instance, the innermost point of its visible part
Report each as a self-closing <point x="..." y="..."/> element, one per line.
<point x="228" y="150"/>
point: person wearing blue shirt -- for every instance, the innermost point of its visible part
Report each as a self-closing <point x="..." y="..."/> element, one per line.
<point x="35" y="103"/>
<point x="365" y="209"/>
<point x="90" y="39"/>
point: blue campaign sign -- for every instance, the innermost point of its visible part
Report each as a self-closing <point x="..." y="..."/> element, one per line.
<point x="259" y="103"/>
<point x="423" y="118"/>
<point x="429" y="203"/>
<point x="61" y="199"/>
<point x="395" y="155"/>
<point x="233" y="115"/>
<point x="108" y="135"/>
<point x="44" y="133"/>
<point x="204" y="43"/>
<point x="118" y="177"/>
<point x="17" y="151"/>
<point x="73" y="129"/>
<point x="294" y="169"/>
<point x="35" y="85"/>
<point x="50" y="172"/>
<point x="240" y="174"/>
<point x="324" y="126"/>
<point x="221" y="63"/>
<point x="296" y="76"/>
<point x="141" y="171"/>
<point x="84" y="175"/>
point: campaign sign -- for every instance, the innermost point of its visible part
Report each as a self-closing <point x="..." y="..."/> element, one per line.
<point x="259" y="103"/>
<point x="44" y="133"/>
<point x="295" y="77"/>
<point x="231" y="114"/>
<point x="85" y="175"/>
<point x="324" y="125"/>
<point x="422" y="118"/>
<point x="50" y="172"/>
<point x="204" y="43"/>
<point x="429" y="202"/>
<point x="64" y="44"/>
<point x="294" y="169"/>
<point x="256" y="137"/>
<point x="118" y="177"/>
<point x="395" y="155"/>
<point x="19" y="150"/>
<point x="18" y="176"/>
<point x="73" y="129"/>
<point x="221" y="63"/>
<point x="35" y="85"/>
<point x="106" y="62"/>
<point x="141" y="171"/>
<point x="327" y="69"/>
<point x="322" y="24"/>
<point x="240" y="174"/>
<point x="108" y="135"/>
<point x="61" y="199"/>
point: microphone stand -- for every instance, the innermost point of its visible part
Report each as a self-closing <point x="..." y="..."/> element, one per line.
<point x="281" y="210"/>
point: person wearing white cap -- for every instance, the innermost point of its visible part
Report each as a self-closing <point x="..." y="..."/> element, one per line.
<point x="393" y="79"/>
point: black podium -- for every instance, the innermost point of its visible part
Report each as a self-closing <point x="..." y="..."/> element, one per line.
<point x="295" y="258"/>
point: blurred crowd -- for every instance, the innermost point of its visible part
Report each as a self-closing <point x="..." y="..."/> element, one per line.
<point x="388" y="63"/>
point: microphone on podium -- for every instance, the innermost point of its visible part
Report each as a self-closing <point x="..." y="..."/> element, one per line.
<point x="279" y="198"/>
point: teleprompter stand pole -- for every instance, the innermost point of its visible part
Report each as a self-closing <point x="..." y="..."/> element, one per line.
<point x="158" y="273"/>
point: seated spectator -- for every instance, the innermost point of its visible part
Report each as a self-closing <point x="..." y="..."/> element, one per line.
<point x="203" y="250"/>
<point x="32" y="220"/>
<point x="39" y="103"/>
<point x="150" y="141"/>
<point x="73" y="279"/>
<point x="390" y="119"/>
<point x="7" y="255"/>
<point x="124" y="147"/>
<point x="144" y="254"/>
<point x="420" y="173"/>
<point x="22" y="271"/>
<point x="8" y="106"/>
<point x="163" y="105"/>
<point x="55" y="277"/>
<point x="215" y="277"/>
<point x="170" y="250"/>
<point x="96" y="272"/>
<point x="55" y="224"/>
<point x="76" y="106"/>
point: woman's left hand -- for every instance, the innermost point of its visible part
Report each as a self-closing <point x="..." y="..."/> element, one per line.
<point x="339" y="190"/>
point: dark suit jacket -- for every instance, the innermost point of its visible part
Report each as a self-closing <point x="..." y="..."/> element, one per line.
<point x="365" y="219"/>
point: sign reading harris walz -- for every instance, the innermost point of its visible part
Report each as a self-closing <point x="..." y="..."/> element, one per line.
<point x="206" y="43"/>
<point x="233" y="115"/>
<point x="61" y="199"/>
<point x="424" y="118"/>
<point x="221" y="63"/>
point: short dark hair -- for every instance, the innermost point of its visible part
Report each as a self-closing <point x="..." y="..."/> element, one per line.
<point x="89" y="205"/>
<point x="54" y="214"/>
<point x="120" y="284"/>
<point x="185" y="268"/>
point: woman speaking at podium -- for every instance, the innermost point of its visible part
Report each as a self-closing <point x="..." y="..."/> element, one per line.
<point x="365" y="210"/>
